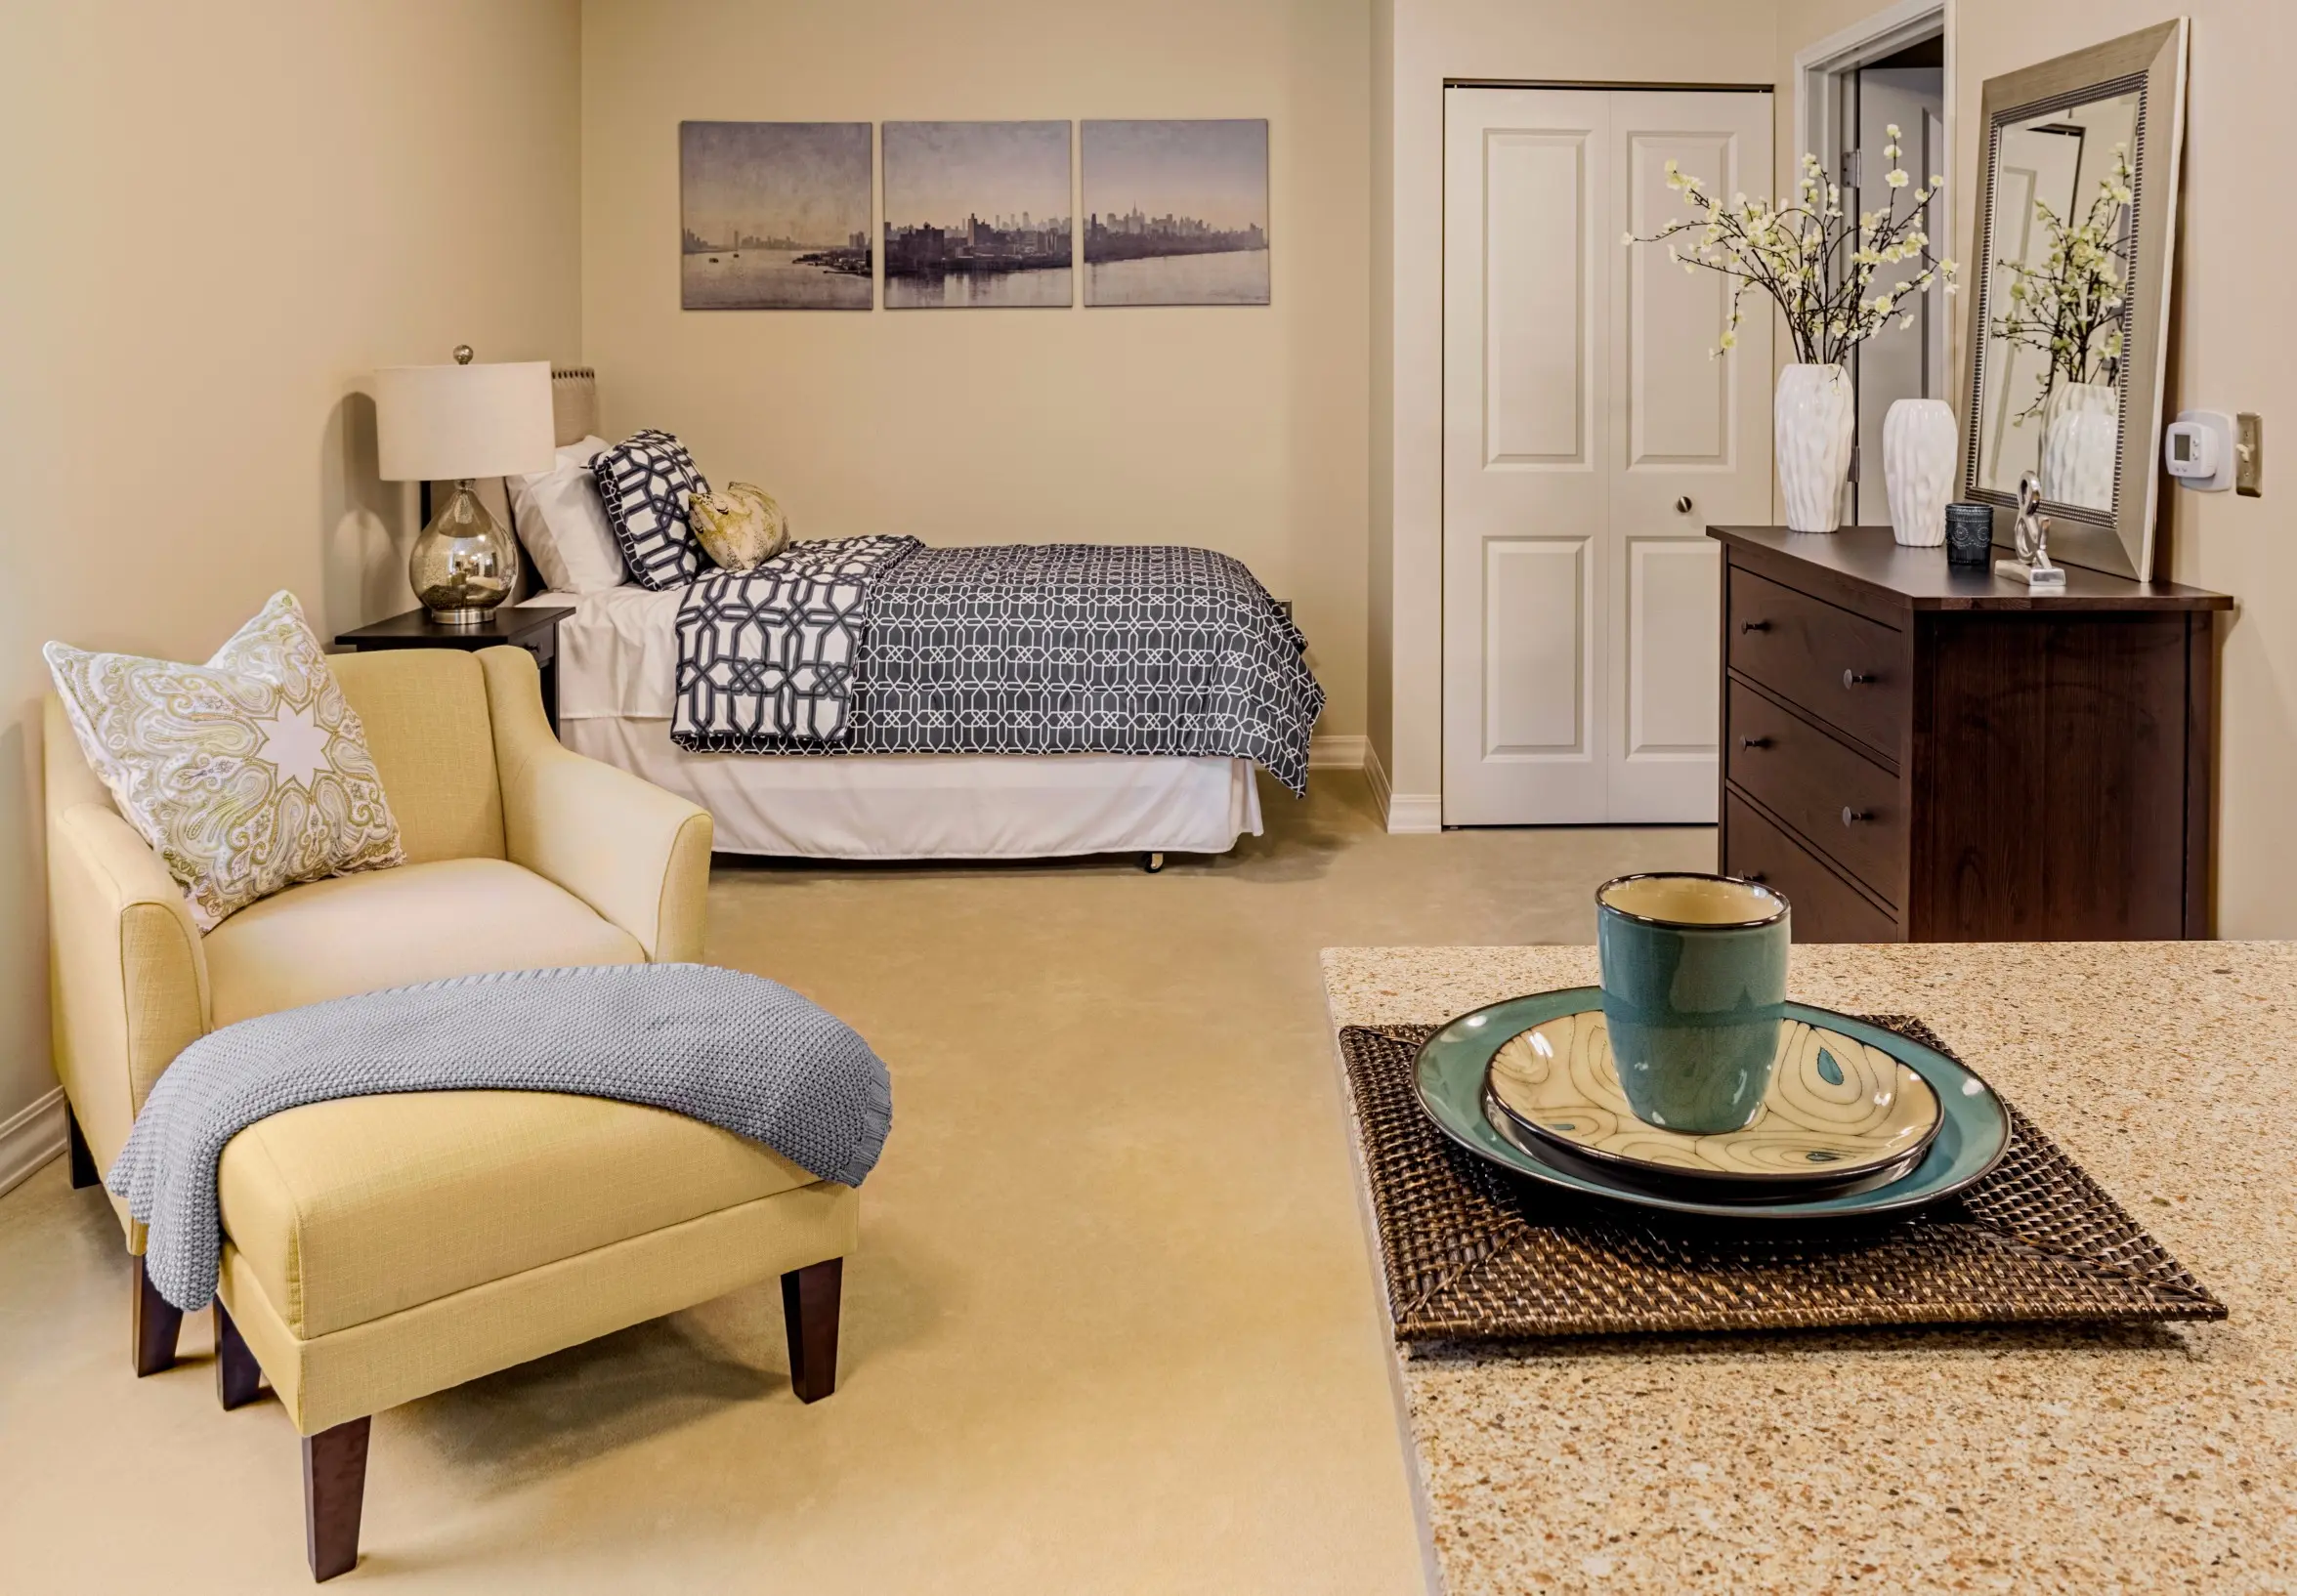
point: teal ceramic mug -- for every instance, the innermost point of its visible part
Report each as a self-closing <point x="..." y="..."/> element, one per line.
<point x="1694" y="987"/>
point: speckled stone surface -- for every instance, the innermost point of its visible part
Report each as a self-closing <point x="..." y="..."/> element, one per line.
<point x="2144" y="1460"/>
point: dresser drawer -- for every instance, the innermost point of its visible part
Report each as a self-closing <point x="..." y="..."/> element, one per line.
<point x="1848" y="671"/>
<point x="1843" y="804"/>
<point x="1826" y="907"/>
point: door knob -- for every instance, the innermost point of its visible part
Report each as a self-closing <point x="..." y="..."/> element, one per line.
<point x="1851" y="679"/>
<point x="1682" y="506"/>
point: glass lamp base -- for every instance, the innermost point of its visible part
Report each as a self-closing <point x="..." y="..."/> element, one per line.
<point x="465" y="563"/>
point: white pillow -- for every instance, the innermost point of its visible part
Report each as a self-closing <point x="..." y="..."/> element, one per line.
<point x="563" y="526"/>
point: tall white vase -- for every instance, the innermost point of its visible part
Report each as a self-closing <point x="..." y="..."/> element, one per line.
<point x="2081" y="428"/>
<point x="1812" y="429"/>
<point x="1918" y="468"/>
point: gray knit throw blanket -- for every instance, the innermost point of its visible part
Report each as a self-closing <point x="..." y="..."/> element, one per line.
<point x="730" y="1049"/>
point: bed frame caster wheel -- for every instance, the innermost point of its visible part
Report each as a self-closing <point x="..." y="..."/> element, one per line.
<point x="1152" y="863"/>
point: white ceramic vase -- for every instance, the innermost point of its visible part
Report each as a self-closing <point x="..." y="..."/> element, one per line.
<point x="1918" y="468"/>
<point x="1812" y="430"/>
<point x="2081" y="428"/>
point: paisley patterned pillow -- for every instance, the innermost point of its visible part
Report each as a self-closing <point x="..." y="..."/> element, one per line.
<point x="247" y="774"/>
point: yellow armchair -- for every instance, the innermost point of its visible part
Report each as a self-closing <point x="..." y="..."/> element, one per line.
<point x="380" y="1249"/>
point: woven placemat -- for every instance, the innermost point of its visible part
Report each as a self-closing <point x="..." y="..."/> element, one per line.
<point x="1475" y="1253"/>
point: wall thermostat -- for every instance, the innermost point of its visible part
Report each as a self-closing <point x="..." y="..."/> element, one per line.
<point x="2197" y="449"/>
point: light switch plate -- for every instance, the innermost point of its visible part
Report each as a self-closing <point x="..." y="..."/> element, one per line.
<point x="2249" y="454"/>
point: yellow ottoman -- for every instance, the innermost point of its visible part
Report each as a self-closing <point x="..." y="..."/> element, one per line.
<point x="380" y="1249"/>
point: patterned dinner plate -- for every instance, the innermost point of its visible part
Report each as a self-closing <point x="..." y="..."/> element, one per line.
<point x="1454" y="1064"/>
<point x="1838" y="1111"/>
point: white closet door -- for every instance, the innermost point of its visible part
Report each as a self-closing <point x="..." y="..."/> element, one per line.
<point x="1580" y="603"/>
<point x="1689" y="449"/>
<point x="1528" y="268"/>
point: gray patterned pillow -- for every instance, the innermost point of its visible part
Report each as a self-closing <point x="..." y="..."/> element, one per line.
<point x="248" y="773"/>
<point x="645" y="482"/>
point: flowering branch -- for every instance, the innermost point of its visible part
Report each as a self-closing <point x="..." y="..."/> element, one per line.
<point x="1816" y="264"/>
<point x="2072" y="306"/>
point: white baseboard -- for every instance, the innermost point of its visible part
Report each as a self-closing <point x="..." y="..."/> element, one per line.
<point x="1406" y="811"/>
<point x="1375" y="777"/>
<point x="30" y="1137"/>
<point x="1338" y="753"/>
<point x="1416" y="812"/>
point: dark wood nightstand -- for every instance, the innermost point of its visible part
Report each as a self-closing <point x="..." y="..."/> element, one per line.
<point x="531" y="627"/>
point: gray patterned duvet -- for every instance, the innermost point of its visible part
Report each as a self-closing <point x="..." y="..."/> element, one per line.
<point x="884" y="645"/>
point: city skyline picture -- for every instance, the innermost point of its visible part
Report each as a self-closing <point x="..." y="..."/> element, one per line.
<point x="1175" y="212"/>
<point x="977" y="214"/>
<point x="774" y="216"/>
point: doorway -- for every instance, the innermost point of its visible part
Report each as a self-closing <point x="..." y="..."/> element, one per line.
<point x="1589" y="439"/>
<point x="1907" y="91"/>
<point x="1888" y="70"/>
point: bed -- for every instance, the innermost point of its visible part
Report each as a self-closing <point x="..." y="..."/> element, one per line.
<point x="618" y="665"/>
<point x="872" y="698"/>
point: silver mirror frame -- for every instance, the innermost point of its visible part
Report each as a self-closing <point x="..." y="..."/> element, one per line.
<point x="2121" y="540"/>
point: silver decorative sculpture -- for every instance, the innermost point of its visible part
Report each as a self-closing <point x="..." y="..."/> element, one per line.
<point x="2032" y="531"/>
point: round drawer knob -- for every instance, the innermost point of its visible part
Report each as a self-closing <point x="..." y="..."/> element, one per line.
<point x="1753" y="626"/>
<point x="1851" y="679"/>
<point x="1754" y="742"/>
<point x="1852" y="816"/>
<point x="1682" y="506"/>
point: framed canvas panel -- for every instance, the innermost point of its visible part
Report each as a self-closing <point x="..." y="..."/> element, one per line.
<point x="774" y="216"/>
<point x="1176" y="213"/>
<point x="977" y="215"/>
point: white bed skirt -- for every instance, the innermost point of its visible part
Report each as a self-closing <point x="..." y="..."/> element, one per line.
<point x="939" y="806"/>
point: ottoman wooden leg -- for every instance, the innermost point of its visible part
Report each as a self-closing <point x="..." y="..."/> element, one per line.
<point x="84" y="1172"/>
<point x="809" y="1313"/>
<point x="334" y="1486"/>
<point x="237" y="1372"/>
<point x="152" y="1322"/>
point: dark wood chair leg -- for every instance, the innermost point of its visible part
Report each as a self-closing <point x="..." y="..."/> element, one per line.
<point x="84" y="1172"/>
<point x="809" y="1313"/>
<point x="152" y="1324"/>
<point x="237" y="1372"/>
<point x="334" y="1488"/>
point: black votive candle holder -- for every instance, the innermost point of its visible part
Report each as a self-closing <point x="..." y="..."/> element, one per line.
<point x="1970" y="535"/>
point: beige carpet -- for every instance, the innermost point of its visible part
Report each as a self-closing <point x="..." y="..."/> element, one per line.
<point x="1114" y="1325"/>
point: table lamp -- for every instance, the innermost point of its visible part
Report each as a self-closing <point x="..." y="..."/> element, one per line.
<point x="454" y="423"/>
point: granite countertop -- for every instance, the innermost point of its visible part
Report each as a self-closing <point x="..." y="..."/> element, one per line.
<point x="2147" y="1458"/>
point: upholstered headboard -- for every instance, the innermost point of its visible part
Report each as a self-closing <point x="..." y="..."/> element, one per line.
<point x="574" y="402"/>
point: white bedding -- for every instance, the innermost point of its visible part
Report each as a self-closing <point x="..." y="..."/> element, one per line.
<point x="617" y="664"/>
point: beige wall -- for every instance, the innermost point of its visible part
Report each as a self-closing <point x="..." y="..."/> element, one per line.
<point x="2229" y="353"/>
<point x="219" y="217"/>
<point x="1238" y="428"/>
<point x="1426" y="41"/>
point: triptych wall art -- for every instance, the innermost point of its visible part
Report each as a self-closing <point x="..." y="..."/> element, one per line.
<point x="776" y="216"/>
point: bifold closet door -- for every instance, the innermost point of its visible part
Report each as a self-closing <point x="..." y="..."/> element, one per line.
<point x="1588" y="440"/>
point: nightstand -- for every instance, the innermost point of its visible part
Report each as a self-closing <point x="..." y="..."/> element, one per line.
<point x="531" y="627"/>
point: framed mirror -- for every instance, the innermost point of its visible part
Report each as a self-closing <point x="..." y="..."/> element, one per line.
<point x="2070" y="301"/>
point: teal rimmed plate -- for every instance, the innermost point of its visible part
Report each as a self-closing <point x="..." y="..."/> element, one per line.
<point x="1452" y="1067"/>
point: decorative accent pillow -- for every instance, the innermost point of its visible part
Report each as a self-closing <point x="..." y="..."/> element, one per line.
<point x="562" y="522"/>
<point x="248" y="773"/>
<point x="645" y="483"/>
<point x="740" y="529"/>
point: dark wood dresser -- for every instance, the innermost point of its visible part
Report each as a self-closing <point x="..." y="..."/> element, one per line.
<point x="1916" y="753"/>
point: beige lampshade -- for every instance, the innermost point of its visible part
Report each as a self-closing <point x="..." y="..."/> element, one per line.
<point x="440" y="423"/>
